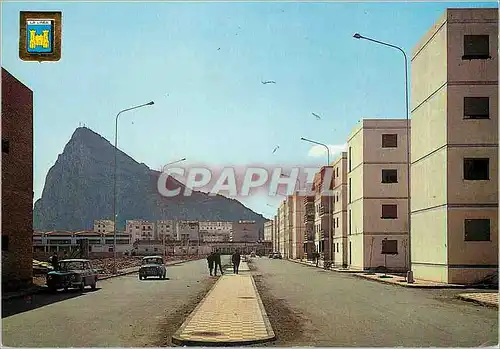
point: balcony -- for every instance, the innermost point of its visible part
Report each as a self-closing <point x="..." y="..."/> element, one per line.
<point x="308" y="217"/>
<point x="308" y="200"/>
<point x="324" y="209"/>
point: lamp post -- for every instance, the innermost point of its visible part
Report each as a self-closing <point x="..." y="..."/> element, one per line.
<point x="409" y="276"/>
<point x="330" y="209"/>
<point x="114" y="176"/>
<point x="164" y="168"/>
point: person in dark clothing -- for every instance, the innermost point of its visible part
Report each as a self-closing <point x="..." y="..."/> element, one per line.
<point x="217" y="263"/>
<point x="236" y="259"/>
<point x="55" y="261"/>
<point x="210" y="261"/>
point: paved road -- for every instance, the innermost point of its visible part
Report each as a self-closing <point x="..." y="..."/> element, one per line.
<point x="122" y="312"/>
<point x="312" y="307"/>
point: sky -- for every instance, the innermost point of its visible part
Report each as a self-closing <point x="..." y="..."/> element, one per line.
<point x="203" y="65"/>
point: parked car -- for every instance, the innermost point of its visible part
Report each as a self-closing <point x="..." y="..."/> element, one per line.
<point x="72" y="273"/>
<point x="277" y="255"/>
<point x="252" y="254"/>
<point x="152" y="266"/>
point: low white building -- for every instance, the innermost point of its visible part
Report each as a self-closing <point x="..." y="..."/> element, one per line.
<point x="167" y="229"/>
<point x="188" y="230"/>
<point x="215" y="231"/>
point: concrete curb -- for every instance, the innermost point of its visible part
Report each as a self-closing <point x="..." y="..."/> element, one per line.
<point x="319" y="267"/>
<point x="477" y="301"/>
<point x="197" y="343"/>
<point x="407" y="285"/>
<point x="41" y="289"/>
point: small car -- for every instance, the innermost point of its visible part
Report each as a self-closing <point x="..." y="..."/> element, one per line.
<point x="152" y="266"/>
<point x="72" y="273"/>
<point x="277" y="255"/>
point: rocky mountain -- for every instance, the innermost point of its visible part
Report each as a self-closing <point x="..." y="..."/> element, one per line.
<point x="79" y="189"/>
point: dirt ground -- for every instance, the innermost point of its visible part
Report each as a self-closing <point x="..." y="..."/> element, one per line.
<point x="286" y="324"/>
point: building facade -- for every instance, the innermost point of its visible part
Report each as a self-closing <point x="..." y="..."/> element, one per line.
<point x="245" y="231"/>
<point x="454" y="151"/>
<point x="104" y="226"/>
<point x="268" y="230"/>
<point x="323" y="223"/>
<point x="215" y="231"/>
<point x="377" y="195"/>
<point x="140" y="229"/>
<point x="17" y="183"/>
<point x="298" y="226"/>
<point x="165" y="229"/>
<point x="340" y="211"/>
<point x="276" y="231"/>
<point x="309" y="232"/>
<point x="188" y="230"/>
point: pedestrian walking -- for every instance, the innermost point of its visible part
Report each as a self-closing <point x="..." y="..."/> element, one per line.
<point x="210" y="261"/>
<point x="217" y="263"/>
<point x="236" y="259"/>
<point x="55" y="261"/>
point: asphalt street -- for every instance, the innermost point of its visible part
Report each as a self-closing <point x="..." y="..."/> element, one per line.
<point x="122" y="312"/>
<point x="309" y="306"/>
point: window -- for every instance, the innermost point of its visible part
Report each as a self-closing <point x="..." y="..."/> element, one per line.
<point x="349" y="190"/>
<point x="476" y="169"/>
<point x="350" y="222"/>
<point x="476" y="108"/>
<point x="349" y="159"/>
<point x="477" y="229"/>
<point x="5" y="243"/>
<point x="389" y="176"/>
<point x="338" y="247"/>
<point x="389" y="211"/>
<point x="389" y="246"/>
<point x="337" y="171"/>
<point x="476" y="47"/>
<point x="5" y="146"/>
<point x="156" y="249"/>
<point x="337" y="222"/>
<point x="389" y="141"/>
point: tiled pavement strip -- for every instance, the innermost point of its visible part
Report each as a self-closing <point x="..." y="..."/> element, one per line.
<point x="232" y="313"/>
<point x="485" y="298"/>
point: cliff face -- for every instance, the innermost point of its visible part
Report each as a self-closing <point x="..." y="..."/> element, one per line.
<point x="79" y="189"/>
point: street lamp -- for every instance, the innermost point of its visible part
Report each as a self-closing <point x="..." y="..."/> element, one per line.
<point x="330" y="237"/>
<point x="164" y="168"/>
<point x="114" y="177"/>
<point x="409" y="276"/>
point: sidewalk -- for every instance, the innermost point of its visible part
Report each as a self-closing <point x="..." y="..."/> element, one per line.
<point x="401" y="281"/>
<point x="320" y="266"/>
<point x="243" y="267"/>
<point x="38" y="289"/>
<point x="484" y="298"/>
<point x="232" y="313"/>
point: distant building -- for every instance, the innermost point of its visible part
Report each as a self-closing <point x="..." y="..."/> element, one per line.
<point x="454" y="150"/>
<point x="340" y="246"/>
<point x="215" y="231"/>
<point x="296" y="204"/>
<point x="17" y="183"/>
<point x="268" y="230"/>
<point x="140" y="229"/>
<point x="104" y="226"/>
<point x="188" y="230"/>
<point x="245" y="231"/>
<point x="167" y="229"/>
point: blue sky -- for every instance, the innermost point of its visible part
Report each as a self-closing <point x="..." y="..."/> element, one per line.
<point x="203" y="63"/>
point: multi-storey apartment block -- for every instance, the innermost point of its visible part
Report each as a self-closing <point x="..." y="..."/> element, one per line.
<point x="340" y="211"/>
<point x="188" y="230"/>
<point x="297" y="226"/>
<point x="323" y="202"/>
<point x="377" y="195"/>
<point x="277" y="233"/>
<point x="104" y="226"/>
<point x="309" y="232"/>
<point x="268" y="230"/>
<point x="165" y="229"/>
<point x="140" y="229"/>
<point x="454" y="151"/>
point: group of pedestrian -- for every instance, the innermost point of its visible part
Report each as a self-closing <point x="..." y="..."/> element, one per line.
<point x="214" y="262"/>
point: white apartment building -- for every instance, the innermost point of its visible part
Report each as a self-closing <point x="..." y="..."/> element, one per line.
<point x="140" y="229"/>
<point x="340" y="211"/>
<point x="188" y="230"/>
<point x="165" y="229"/>
<point x="104" y="226"/>
<point x="268" y="230"/>
<point x="454" y="153"/>
<point x="377" y="195"/>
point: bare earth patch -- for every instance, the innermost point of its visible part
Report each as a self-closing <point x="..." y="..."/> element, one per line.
<point x="286" y="324"/>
